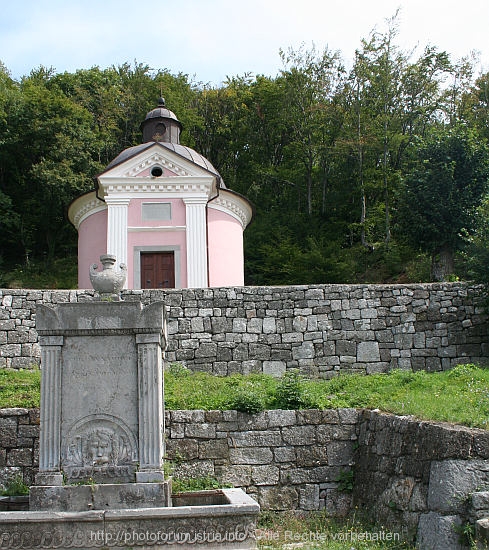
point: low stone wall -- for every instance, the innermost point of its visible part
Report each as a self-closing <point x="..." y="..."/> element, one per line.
<point x="423" y="480"/>
<point x="19" y="445"/>
<point x="321" y="330"/>
<point x="287" y="460"/>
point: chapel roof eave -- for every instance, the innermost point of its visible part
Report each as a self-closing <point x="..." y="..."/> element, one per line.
<point x="245" y="211"/>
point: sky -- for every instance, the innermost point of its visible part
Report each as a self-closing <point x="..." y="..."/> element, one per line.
<point x="209" y="40"/>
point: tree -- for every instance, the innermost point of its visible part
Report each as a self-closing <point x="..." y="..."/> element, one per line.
<point x="48" y="154"/>
<point x="311" y="81"/>
<point x="441" y="195"/>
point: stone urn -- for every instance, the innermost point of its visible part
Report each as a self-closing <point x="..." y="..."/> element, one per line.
<point x="108" y="282"/>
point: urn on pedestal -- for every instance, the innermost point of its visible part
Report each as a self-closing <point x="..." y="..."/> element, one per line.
<point x="108" y="282"/>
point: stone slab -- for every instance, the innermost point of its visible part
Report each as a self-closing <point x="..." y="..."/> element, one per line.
<point x="79" y="498"/>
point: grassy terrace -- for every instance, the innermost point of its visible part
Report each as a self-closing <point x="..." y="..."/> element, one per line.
<point x="460" y="395"/>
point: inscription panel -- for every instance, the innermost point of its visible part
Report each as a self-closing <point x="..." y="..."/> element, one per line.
<point x="99" y="407"/>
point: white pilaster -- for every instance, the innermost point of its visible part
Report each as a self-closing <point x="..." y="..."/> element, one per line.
<point x="151" y="408"/>
<point x="50" y="437"/>
<point x="117" y="228"/>
<point x="196" y="242"/>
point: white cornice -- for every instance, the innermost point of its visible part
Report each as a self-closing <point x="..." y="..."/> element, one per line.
<point x="85" y="206"/>
<point x="233" y="204"/>
<point x="135" y="186"/>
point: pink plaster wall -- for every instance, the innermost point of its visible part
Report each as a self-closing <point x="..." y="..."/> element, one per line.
<point x="92" y="243"/>
<point x="226" y="257"/>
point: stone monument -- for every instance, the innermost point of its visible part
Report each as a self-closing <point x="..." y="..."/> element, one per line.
<point x="101" y="481"/>
<point x="102" y="409"/>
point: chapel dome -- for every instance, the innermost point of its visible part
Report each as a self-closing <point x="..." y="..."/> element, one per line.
<point x="161" y="112"/>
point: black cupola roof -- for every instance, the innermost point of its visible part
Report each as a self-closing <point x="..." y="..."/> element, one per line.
<point x="161" y="125"/>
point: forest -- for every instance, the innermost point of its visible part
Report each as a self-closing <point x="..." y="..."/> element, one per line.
<point x="374" y="170"/>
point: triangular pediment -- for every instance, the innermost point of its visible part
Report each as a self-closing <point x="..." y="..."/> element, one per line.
<point x="141" y="163"/>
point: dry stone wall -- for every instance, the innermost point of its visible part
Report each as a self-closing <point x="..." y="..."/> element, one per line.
<point x="19" y="445"/>
<point x="322" y="330"/>
<point x="423" y="479"/>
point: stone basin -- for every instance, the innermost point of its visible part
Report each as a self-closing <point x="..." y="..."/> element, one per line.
<point x="223" y="519"/>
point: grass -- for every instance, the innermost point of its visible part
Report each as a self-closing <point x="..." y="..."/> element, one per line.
<point x="317" y="531"/>
<point x="460" y="395"/>
<point x="20" y="388"/>
<point x="185" y="485"/>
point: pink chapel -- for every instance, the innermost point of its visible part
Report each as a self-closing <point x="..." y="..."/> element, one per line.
<point x="163" y="210"/>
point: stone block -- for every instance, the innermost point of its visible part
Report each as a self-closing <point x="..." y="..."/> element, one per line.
<point x="480" y="503"/>
<point x="312" y="456"/>
<point x="482" y="532"/>
<point x="68" y="498"/>
<point x="269" y="325"/>
<point x="304" y="351"/>
<point x="254" y="455"/>
<point x="11" y="350"/>
<point x="436" y="532"/>
<point x="337" y="504"/>
<point x="194" y="469"/>
<point x="368" y="352"/>
<point x="309" y="416"/>
<point x="265" y="475"/>
<point x="240" y="352"/>
<point x="280" y="418"/>
<point x="22" y="362"/>
<point x="130" y="496"/>
<point x="452" y="481"/>
<point x="255" y="326"/>
<point x="201" y="431"/>
<point x="278" y="498"/>
<point x="239" y="324"/>
<point x="206" y="349"/>
<point x="348" y="416"/>
<point x="214" y="450"/>
<point x="259" y="351"/>
<point x="321" y="474"/>
<point x="309" y="497"/>
<point x="340" y="453"/>
<point x="8" y="432"/>
<point x="292" y="337"/>
<point x="299" y="435"/>
<point x="182" y="449"/>
<point x="284" y="454"/>
<point x="274" y="368"/>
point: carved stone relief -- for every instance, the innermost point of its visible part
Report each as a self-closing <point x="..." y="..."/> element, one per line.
<point x="99" y="446"/>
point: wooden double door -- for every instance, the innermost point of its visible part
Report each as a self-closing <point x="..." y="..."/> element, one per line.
<point x="157" y="270"/>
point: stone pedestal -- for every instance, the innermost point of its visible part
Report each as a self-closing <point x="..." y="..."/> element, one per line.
<point x="102" y="406"/>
